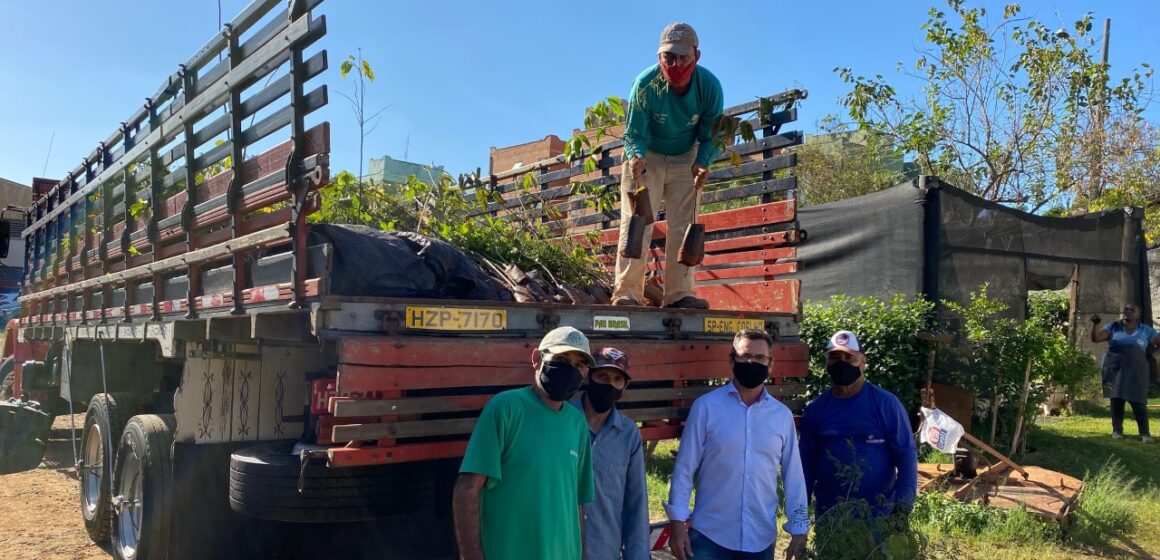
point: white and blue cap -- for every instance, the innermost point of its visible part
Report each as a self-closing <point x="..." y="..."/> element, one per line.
<point x="844" y="341"/>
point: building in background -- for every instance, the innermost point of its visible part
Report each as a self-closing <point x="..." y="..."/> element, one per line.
<point x="389" y="170"/>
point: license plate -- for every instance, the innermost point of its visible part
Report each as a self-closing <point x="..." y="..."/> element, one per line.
<point x="456" y="319"/>
<point x="732" y="324"/>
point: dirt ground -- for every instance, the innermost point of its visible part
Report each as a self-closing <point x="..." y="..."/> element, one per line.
<point x="40" y="510"/>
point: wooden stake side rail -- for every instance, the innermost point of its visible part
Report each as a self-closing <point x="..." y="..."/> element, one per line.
<point x="174" y="191"/>
<point x="667" y="377"/>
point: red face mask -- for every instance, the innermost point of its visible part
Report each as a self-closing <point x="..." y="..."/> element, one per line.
<point x="678" y="75"/>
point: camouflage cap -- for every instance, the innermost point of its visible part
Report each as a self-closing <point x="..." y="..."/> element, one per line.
<point x="679" y="39"/>
<point x="612" y="358"/>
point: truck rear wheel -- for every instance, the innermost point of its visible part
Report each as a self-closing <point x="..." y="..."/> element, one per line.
<point x="106" y="418"/>
<point x="264" y="483"/>
<point x="142" y="505"/>
<point x="8" y="377"/>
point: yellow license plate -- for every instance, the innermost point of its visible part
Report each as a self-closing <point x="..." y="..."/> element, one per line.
<point x="456" y="319"/>
<point x="732" y="324"/>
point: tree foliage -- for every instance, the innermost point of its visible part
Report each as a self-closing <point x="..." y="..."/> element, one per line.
<point x="1008" y="109"/>
<point x="833" y="168"/>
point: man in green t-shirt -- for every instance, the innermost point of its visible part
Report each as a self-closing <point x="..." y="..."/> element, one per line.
<point x="527" y="471"/>
<point x="668" y="146"/>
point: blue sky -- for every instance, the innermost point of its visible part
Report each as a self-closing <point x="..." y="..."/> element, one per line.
<point x="460" y="77"/>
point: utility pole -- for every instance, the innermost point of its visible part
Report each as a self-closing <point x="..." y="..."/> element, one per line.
<point x="1097" y="182"/>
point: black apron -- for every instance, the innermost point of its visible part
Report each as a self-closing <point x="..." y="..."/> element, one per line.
<point x="1126" y="374"/>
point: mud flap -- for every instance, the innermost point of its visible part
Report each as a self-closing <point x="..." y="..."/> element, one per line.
<point x="24" y="430"/>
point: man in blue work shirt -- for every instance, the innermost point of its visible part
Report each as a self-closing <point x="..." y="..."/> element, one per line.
<point x="672" y="106"/>
<point x="857" y="423"/>
<point x="616" y="523"/>
<point x="737" y="439"/>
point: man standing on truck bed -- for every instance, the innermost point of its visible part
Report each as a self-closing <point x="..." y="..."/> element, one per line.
<point x="616" y="522"/>
<point x="672" y="106"/>
<point x="527" y="471"/>
<point x="737" y="440"/>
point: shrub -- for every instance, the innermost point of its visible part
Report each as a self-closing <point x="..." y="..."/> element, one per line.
<point x="993" y="361"/>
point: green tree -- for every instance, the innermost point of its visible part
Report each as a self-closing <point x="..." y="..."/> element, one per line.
<point x="1008" y="109"/>
<point x="845" y="164"/>
<point x="997" y="351"/>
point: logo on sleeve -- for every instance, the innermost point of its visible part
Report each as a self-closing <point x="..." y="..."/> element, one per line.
<point x="870" y="439"/>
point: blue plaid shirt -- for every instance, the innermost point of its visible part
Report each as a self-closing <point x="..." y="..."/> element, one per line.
<point x="616" y="522"/>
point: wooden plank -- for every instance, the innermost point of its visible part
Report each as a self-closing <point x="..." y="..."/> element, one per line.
<point x="764" y="255"/>
<point x="774" y="296"/>
<point x="655" y="433"/>
<point x="776" y="239"/>
<point x="664" y="413"/>
<point x="355" y="456"/>
<point x="395" y="430"/>
<point x="412" y="405"/>
<point x="517" y="353"/>
<point x="769" y="270"/>
<point x="752" y="216"/>
<point x="753" y="189"/>
<point x="753" y="168"/>
<point x="441" y="367"/>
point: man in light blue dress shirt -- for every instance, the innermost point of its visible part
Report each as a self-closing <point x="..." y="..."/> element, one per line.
<point x="616" y="522"/>
<point x="737" y="440"/>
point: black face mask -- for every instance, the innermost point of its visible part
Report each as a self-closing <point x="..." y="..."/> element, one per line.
<point x="750" y="374"/>
<point x="843" y="374"/>
<point x="559" y="380"/>
<point x="602" y="396"/>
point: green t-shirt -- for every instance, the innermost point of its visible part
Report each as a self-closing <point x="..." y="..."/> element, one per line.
<point x="667" y="123"/>
<point x="538" y="465"/>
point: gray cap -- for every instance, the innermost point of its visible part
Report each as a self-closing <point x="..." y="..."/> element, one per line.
<point x="567" y="339"/>
<point x="679" y="39"/>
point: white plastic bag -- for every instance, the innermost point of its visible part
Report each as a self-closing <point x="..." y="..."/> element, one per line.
<point x="939" y="430"/>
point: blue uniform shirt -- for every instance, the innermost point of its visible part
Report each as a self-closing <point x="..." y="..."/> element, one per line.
<point x="870" y="431"/>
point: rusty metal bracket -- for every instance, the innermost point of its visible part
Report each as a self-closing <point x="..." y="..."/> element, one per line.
<point x="392" y="320"/>
<point x="548" y="321"/>
<point x="774" y="329"/>
<point x="304" y="458"/>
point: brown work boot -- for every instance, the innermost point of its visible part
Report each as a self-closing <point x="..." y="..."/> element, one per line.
<point x="689" y="302"/>
<point x="625" y="300"/>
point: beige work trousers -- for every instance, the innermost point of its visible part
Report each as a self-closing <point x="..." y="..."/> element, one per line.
<point x="668" y="178"/>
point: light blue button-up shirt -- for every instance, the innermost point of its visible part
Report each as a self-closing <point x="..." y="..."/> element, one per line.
<point x="737" y="452"/>
<point x="616" y="522"/>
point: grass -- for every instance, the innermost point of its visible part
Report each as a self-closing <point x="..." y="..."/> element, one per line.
<point x="1119" y="516"/>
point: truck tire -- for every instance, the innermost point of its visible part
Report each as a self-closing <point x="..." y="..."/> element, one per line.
<point x="144" y="494"/>
<point x="264" y="484"/>
<point x="6" y="387"/>
<point x="105" y="420"/>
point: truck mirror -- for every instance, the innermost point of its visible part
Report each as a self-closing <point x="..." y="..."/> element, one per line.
<point x="5" y="234"/>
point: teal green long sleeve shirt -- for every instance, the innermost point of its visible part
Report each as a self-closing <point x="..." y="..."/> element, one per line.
<point x="669" y="124"/>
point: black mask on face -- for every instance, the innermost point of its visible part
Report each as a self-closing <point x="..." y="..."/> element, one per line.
<point x="843" y="374"/>
<point x="750" y="374"/>
<point x="602" y="396"/>
<point x="559" y="380"/>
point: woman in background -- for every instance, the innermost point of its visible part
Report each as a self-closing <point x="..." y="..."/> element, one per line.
<point x="1126" y="371"/>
